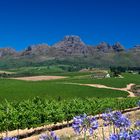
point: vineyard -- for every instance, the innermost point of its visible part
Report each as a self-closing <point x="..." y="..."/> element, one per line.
<point x="38" y="112"/>
<point x="18" y="90"/>
<point x="33" y="104"/>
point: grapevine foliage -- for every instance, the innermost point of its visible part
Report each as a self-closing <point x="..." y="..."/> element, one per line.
<point x="37" y="112"/>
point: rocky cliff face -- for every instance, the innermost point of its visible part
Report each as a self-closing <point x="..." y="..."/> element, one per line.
<point x="39" y="49"/>
<point x="71" y="45"/>
<point x="7" y="52"/>
<point x="136" y="48"/>
<point x="70" y="41"/>
<point x="104" y="47"/>
<point x="117" y="47"/>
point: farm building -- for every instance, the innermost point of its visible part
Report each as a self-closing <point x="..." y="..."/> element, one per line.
<point x="100" y="75"/>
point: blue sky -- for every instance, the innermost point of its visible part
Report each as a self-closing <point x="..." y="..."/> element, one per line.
<point x="26" y="22"/>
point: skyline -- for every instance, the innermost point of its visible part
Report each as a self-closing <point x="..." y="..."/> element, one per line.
<point x="47" y="21"/>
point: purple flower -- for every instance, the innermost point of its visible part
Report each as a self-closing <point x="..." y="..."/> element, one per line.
<point x="14" y="138"/>
<point x="135" y="135"/>
<point x="122" y="122"/>
<point x="124" y="135"/>
<point x="51" y="136"/>
<point x="107" y="117"/>
<point x="56" y="138"/>
<point x="44" y="137"/>
<point x="137" y="123"/>
<point x="77" y="123"/>
<point x="84" y="123"/>
<point x="116" y="118"/>
<point x="114" y="137"/>
<point x="10" y="138"/>
<point x="116" y="115"/>
<point x="90" y="131"/>
<point x="111" y="117"/>
<point x="93" y="123"/>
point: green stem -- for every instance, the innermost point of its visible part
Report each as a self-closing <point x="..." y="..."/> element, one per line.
<point x="85" y="137"/>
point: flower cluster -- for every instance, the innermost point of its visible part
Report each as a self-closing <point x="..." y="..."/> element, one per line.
<point x="107" y="117"/>
<point x="122" y="122"/>
<point x="126" y="135"/>
<point x="84" y="123"/>
<point x="116" y="118"/>
<point x="121" y="129"/>
<point x="51" y="136"/>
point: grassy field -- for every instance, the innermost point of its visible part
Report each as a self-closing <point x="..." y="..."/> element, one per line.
<point x="112" y="82"/>
<point x="46" y="70"/>
<point x="17" y="90"/>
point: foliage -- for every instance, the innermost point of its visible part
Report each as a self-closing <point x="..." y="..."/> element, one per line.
<point x="37" y="112"/>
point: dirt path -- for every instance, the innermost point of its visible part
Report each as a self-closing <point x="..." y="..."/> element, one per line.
<point x="39" y="78"/>
<point x="127" y="88"/>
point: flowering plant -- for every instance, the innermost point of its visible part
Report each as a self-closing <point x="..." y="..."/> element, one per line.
<point x="84" y="124"/>
<point x="51" y="136"/>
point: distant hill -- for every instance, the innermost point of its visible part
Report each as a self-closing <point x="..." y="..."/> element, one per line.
<point x="71" y="49"/>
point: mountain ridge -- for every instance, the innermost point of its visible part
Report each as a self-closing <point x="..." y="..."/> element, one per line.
<point x="72" y="47"/>
<point x="72" y="41"/>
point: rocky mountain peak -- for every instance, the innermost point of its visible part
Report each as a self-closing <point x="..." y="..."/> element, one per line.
<point x="71" y="45"/>
<point x="70" y="41"/>
<point x="104" y="47"/>
<point x="117" y="47"/>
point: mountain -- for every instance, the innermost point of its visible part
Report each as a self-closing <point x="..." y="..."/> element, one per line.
<point x="71" y="45"/>
<point x="136" y="48"/>
<point x="38" y="49"/>
<point x="104" y="47"/>
<point x="71" y="49"/>
<point x="117" y="47"/>
<point x="7" y="52"/>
